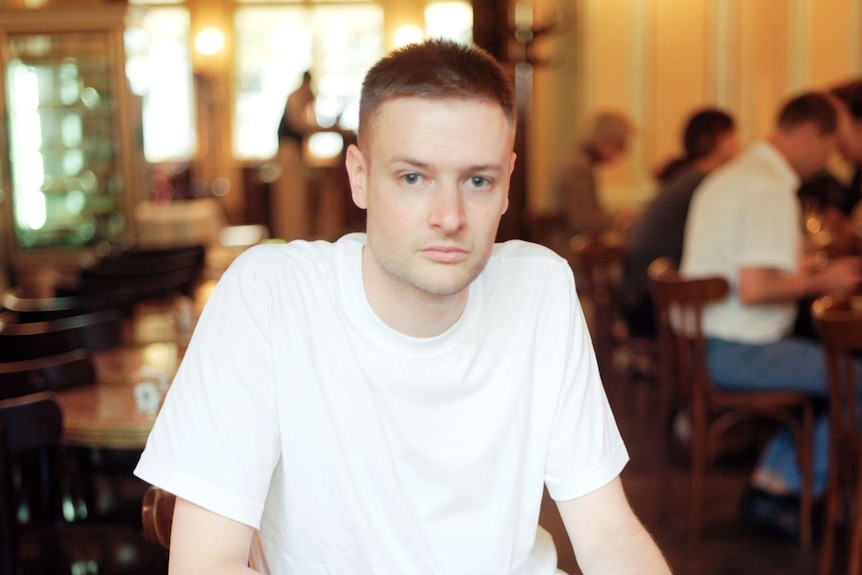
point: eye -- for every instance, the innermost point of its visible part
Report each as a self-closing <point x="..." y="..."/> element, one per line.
<point x="479" y="182"/>
<point x="411" y="179"/>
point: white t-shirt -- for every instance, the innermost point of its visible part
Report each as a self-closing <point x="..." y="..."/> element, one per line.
<point x="357" y="450"/>
<point x="745" y="215"/>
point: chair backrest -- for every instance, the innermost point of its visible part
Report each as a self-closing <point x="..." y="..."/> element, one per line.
<point x="90" y="331"/>
<point x="33" y="423"/>
<point x="52" y="373"/>
<point x="146" y="273"/>
<point x="157" y="515"/>
<point x="839" y="326"/>
<point x="30" y="309"/>
<point x="679" y="305"/>
<point x="600" y="260"/>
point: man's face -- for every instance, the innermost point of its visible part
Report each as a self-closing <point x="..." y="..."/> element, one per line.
<point x="434" y="179"/>
<point x="610" y="149"/>
<point x="849" y="134"/>
<point x="813" y="149"/>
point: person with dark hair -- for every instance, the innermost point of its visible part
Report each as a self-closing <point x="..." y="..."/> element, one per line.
<point x="833" y="200"/>
<point x="395" y="401"/>
<point x="709" y="140"/>
<point x="743" y="225"/>
<point x="848" y="98"/>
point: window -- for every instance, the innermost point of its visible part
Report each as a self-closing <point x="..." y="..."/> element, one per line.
<point x="276" y="44"/>
<point x="453" y="20"/>
<point x="158" y="68"/>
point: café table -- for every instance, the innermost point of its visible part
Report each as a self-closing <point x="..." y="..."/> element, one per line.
<point x="107" y="414"/>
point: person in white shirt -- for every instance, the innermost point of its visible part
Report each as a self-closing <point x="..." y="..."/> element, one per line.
<point x="744" y="224"/>
<point x="394" y="402"/>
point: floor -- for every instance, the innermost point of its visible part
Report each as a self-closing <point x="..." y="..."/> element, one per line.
<point x="728" y="546"/>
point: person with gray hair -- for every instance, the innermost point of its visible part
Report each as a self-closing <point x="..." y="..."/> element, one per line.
<point x="575" y="188"/>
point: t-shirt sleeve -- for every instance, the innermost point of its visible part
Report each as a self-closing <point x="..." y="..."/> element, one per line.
<point x="768" y="218"/>
<point x="216" y="441"/>
<point x="586" y="450"/>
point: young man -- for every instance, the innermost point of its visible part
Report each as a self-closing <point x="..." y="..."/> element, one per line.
<point x="744" y="224"/>
<point x="394" y="402"/>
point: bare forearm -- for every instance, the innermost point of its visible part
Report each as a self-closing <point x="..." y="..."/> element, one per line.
<point x="607" y="536"/>
<point x="203" y="542"/>
<point x="623" y="550"/>
<point x="760" y="286"/>
<point x="209" y="569"/>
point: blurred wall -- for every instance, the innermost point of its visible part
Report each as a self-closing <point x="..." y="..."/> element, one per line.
<point x="660" y="59"/>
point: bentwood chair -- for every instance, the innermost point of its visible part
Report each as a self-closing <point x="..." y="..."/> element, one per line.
<point x="600" y="261"/>
<point x="51" y="373"/>
<point x="140" y="274"/>
<point x="44" y="543"/>
<point x="839" y="324"/>
<point x="31" y="309"/>
<point x="157" y="516"/>
<point x="682" y="359"/>
<point x="132" y="268"/>
<point x="91" y="331"/>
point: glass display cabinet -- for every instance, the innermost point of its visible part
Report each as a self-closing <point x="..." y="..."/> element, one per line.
<point x="70" y="174"/>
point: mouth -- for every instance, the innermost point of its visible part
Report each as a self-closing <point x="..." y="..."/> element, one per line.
<point x="445" y="254"/>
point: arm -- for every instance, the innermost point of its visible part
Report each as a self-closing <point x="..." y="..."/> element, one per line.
<point x="606" y="535"/>
<point x="764" y="285"/>
<point x="205" y="542"/>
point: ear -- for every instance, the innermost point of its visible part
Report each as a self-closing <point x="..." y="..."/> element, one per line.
<point x="511" y="169"/>
<point x="357" y="173"/>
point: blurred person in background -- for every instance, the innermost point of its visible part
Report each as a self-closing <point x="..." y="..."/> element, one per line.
<point x="744" y="225"/>
<point x="575" y="187"/>
<point x="709" y="140"/>
<point x="289" y="217"/>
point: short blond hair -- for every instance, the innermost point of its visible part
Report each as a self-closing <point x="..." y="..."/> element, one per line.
<point x="610" y="125"/>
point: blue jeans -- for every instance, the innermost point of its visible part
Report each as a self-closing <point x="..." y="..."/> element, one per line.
<point x="789" y="364"/>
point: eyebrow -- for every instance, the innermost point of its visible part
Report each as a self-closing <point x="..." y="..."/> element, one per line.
<point x="420" y="164"/>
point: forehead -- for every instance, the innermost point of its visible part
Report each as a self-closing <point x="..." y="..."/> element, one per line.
<point x="436" y="125"/>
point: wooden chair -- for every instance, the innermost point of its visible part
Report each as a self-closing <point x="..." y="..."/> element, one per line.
<point x="157" y="515"/>
<point x="51" y="373"/>
<point x="600" y="261"/>
<point x="682" y="359"/>
<point x="30" y="431"/>
<point x="839" y="325"/>
<point x="91" y="331"/>
<point x="31" y="309"/>
<point x="152" y="270"/>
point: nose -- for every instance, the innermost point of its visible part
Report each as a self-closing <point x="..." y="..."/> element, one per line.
<point x="446" y="211"/>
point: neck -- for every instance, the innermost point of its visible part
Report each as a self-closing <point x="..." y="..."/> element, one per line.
<point x="706" y="164"/>
<point x="785" y="147"/>
<point x="405" y="308"/>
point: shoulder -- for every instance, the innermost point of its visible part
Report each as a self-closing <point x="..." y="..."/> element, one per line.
<point x="519" y="262"/>
<point x="265" y="263"/>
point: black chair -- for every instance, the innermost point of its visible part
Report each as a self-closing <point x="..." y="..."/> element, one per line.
<point x="146" y="271"/>
<point x="91" y="331"/>
<point x="32" y="309"/>
<point x="101" y="481"/>
<point x="30" y="430"/>
<point x="52" y="373"/>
